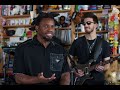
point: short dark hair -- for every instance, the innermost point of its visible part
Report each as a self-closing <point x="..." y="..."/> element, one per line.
<point x="42" y="15"/>
<point x="90" y="15"/>
<point x="61" y="17"/>
<point x="39" y="18"/>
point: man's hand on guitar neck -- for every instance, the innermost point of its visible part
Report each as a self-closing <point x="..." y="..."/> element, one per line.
<point x="79" y="73"/>
<point x="100" y="67"/>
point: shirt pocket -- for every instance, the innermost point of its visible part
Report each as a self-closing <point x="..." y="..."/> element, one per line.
<point x="56" y="62"/>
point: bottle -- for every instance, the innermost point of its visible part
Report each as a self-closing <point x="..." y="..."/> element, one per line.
<point x="99" y="26"/>
<point x="28" y="9"/>
<point x="76" y="8"/>
<point x="31" y="7"/>
<point x="25" y="9"/>
<point x="24" y="35"/>
<point x="99" y="7"/>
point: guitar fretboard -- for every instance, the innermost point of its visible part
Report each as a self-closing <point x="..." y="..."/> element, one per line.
<point x="103" y="63"/>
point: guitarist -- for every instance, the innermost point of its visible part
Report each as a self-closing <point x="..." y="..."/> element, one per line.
<point x="84" y="47"/>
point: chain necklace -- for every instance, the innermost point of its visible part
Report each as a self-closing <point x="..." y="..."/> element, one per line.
<point x="90" y="47"/>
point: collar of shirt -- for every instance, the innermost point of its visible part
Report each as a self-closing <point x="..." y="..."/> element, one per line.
<point x="35" y="41"/>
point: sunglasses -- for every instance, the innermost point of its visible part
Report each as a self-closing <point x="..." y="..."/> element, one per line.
<point x="88" y="23"/>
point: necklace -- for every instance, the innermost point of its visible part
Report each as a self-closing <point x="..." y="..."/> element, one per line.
<point x="90" y="47"/>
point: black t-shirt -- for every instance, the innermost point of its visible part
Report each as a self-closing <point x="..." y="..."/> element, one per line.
<point x="31" y="58"/>
<point x="80" y="49"/>
<point x="64" y="24"/>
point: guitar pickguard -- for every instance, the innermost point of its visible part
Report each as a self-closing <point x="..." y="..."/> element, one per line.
<point x="81" y="80"/>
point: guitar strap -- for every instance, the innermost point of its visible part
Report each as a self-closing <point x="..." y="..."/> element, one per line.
<point x="97" y="49"/>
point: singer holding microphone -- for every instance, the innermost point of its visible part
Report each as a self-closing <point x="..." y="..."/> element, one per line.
<point x="41" y="60"/>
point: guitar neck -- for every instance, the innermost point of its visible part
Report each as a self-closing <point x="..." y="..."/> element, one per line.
<point x="102" y="63"/>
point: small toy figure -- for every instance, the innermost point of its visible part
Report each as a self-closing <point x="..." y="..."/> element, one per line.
<point x="62" y="21"/>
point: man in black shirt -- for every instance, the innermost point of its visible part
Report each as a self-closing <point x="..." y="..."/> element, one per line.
<point x="84" y="48"/>
<point x="41" y="60"/>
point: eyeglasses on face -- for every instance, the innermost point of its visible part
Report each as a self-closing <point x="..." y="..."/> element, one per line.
<point x="88" y="23"/>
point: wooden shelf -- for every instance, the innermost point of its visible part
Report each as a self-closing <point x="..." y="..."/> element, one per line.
<point x="98" y="32"/>
<point x="16" y="26"/>
<point x="16" y="16"/>
<point x="63" y="28"/>
<point x="97" y="11"/>
<point x="10" y="36"/>
<point x="58" y="11"/>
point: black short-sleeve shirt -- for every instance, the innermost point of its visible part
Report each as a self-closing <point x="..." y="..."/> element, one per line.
<point x="80" y="49"/>
<point x="31" y="58"/>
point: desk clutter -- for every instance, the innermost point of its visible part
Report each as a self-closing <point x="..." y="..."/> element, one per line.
<point x="7" y="76"/>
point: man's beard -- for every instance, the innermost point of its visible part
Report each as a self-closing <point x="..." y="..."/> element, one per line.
<point x="88" y="32"/>
<point x="47" y="39"/>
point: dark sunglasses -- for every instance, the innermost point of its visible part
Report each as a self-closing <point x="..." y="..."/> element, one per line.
<point x="88" y="23"/>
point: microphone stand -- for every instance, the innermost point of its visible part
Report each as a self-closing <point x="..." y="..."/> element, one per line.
<point x="5" y="67"/>
<point x="71" y="76"/>
<point x="72" y="69"/>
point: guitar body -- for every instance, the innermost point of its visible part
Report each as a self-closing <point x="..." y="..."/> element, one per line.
<point x="81" y="80"/>
<point x="85" y="68"/>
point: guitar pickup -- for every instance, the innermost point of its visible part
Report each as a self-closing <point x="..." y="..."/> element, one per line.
<point x="86" y="71"/>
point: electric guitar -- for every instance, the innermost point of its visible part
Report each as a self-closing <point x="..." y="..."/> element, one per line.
<point x="87" y="68"/>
